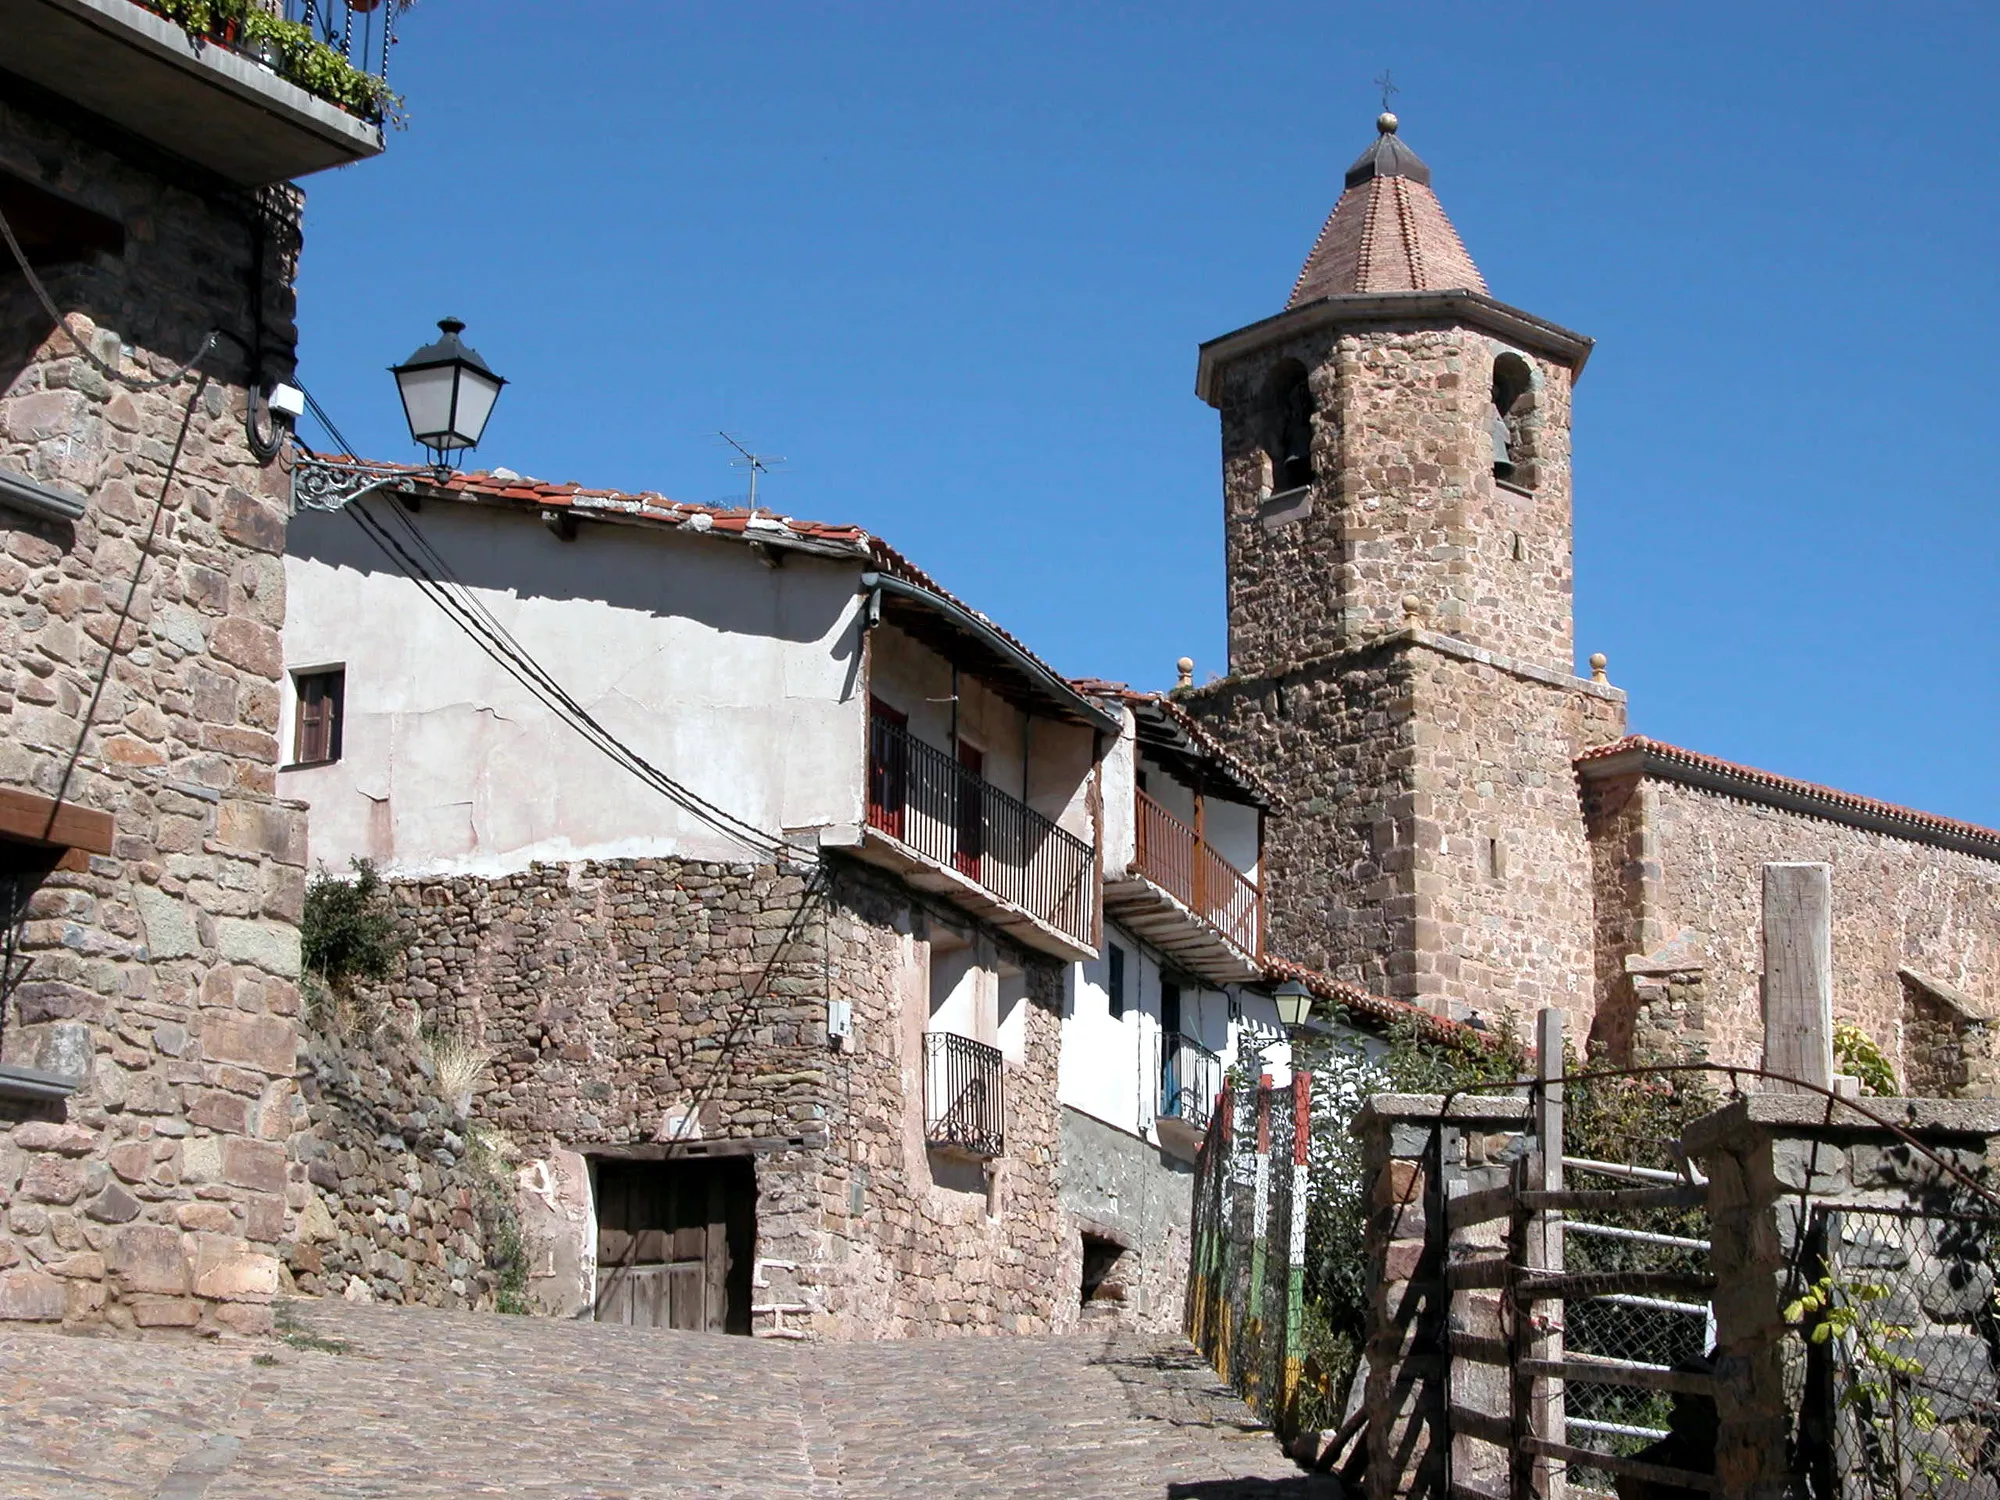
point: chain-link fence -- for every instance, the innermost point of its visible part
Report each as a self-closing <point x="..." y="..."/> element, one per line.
<point x="1898" y="1359"/>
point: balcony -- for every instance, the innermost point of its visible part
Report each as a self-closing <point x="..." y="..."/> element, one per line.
<point x="1190" y="1080"/>
<point x="943" y="827"/>
<point x="965" y="1107"/>
<point x="223" y="102"/>
<point x="1186" y="899"/>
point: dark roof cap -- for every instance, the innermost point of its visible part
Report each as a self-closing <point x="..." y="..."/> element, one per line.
<point x="1387" y="156"/>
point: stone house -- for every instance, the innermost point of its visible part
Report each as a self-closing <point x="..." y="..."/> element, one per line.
<point x="151" y="874"/>
<point x="775" y="1036"/>
<point x="1468" y="826"/>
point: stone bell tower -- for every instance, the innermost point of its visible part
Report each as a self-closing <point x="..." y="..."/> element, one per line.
<point x="1396" y="512"/>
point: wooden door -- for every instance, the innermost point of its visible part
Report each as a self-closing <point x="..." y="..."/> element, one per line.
<point x="888" y="767"/>
<point x="674" y="1241"/>
<point x="971" y="810"/>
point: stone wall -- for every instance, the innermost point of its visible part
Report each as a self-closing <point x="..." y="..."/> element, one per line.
<point x="1120" y="1188"/>
<point x="1404" y="502"/>
<point x="1432" y="845"/>
<point x="403" y="1206"/>
<point x="162" y="974"/>
<point x="640" y="1007"/>
<point x="1898" y="905"/>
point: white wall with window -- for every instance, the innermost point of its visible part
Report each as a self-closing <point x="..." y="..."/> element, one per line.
<point x="1122" y="1013"/>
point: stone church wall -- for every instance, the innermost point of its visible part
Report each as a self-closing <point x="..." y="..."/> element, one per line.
<point x="1690" y="875"/>
<point x="612" y="997"/>
<point x="161" y="975"/>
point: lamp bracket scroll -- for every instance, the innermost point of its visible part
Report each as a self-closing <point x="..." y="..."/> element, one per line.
<point x="330" y="484"/>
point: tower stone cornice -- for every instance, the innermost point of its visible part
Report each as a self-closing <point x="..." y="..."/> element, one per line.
<point x="1455" y="306"/>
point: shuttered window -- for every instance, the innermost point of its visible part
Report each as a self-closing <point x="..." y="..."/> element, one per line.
<point x="322" y="697"/>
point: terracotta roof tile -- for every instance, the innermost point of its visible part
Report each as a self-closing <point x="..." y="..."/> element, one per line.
<point x="652" y="508"/>
<point x="1359" y="1002"/>
<point x="1657" y="758"/>
<point x="1388" y="233"/>
<point x="1211" y="747"/>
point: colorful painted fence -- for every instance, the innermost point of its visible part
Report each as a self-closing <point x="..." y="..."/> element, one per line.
<point x="1246" y="1287"/>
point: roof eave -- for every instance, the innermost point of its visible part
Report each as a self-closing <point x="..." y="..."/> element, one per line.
<point x="1063" y="698"/>
<point x="1366" y="309"/>
<point x="1706" y="774"/>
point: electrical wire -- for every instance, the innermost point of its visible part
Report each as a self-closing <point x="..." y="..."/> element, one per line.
<point x="56" y="315"/>
<point x="474" y="620"/>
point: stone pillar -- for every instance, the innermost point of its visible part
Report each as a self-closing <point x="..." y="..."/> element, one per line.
<point x="1417" y="1156"/>
<point x="1774" y="1161"/>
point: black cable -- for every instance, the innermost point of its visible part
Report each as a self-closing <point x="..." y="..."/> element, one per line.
<point x="466" y="613"/>
<point x="470" y="603"/>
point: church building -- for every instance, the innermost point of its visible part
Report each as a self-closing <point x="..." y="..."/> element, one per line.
<point x="1468" y="824"/>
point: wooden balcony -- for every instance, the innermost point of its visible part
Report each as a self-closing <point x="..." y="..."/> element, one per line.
<point x="1186" y="899"/>
<point x="943" y="827"/>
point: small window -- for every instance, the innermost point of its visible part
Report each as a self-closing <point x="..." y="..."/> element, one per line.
<point x="1115" y="980"/>
<point x="322" y="703"/>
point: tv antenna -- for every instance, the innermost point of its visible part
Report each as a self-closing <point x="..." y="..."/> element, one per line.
<point x="756" y="463"/>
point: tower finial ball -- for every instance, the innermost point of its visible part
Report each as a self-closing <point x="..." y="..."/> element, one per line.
<point x="1386" y="123"/>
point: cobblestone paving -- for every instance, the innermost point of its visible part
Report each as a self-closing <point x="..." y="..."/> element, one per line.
<point x="389" y="1402"/>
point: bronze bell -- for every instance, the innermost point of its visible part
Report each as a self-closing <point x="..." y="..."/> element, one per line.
<point x="1502" y="439"/>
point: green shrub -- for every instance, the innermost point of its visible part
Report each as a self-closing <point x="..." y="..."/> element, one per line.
<point x="346" y="934"/>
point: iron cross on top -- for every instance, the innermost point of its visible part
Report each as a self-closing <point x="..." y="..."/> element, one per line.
<point x="1387" y="85"/>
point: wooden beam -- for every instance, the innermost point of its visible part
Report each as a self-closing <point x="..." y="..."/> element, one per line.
<point x="1798" y="974"/>
<point x="39" y="820"/>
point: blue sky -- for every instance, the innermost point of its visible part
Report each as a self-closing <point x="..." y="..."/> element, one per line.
<point x="954" y="264"/>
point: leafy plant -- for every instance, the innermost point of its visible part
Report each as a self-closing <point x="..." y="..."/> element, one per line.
<point x="347" y="934"/>
<point x="1856" y="1054"/>
<point x="298" y="55"/>
<point x="1880" y="1382"/>
<point x="500" y="1222"/>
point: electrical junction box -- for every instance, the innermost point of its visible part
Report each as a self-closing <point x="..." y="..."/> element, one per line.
<point x="840" y="1024"/>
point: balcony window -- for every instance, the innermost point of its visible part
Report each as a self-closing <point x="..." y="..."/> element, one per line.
<point x="941" y="808"/>
<point x="1190" y="1079"/>
<point x="964" y="1097"/>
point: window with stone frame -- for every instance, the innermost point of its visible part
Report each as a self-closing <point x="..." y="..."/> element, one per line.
<point x="322" y="705"/>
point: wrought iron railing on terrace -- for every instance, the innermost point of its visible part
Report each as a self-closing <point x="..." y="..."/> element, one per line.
<point x="1185" y="865"/>
<point x="951" y="815"/>
<point x="336" y="50"/>
<point x="1190" y="1079"/>
<point x="965" y="1106"/>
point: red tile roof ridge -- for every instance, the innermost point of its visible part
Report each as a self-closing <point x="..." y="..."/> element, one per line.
<point x="1353" y="998"/>
<point x="730" y="520"/>
<point x="1098" y="687"/>
<point x="1810" y="791"/>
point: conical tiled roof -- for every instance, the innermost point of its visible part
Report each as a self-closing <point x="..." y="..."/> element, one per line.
<point x="1388" y="232"/>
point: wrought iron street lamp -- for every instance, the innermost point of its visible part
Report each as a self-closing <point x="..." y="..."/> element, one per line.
<point x="1294" y="1004"/>
<point x="448" y="393"/>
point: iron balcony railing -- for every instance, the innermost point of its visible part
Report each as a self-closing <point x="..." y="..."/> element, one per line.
<point x="336" y="50"/>
<point x="965" y="1107"/>
<point x="953" y="816"/>
<point x="1185" y="865"/>
<point x="1190" y="1078"/>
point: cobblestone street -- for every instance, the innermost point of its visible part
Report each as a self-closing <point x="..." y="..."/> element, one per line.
<point x="390" y="1402"/>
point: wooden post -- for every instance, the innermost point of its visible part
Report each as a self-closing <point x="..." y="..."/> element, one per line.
<point x="1798" y="974"/>
<point x="1538" y="1400"/>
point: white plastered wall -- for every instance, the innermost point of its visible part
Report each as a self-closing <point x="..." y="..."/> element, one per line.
<point x="1110" y="1065"/>
<point x="739" y="680"/>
